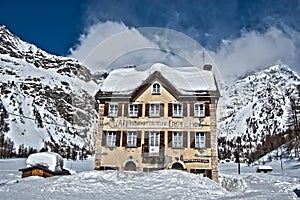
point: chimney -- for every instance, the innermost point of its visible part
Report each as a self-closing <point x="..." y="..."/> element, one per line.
<point x="207" y="67"/>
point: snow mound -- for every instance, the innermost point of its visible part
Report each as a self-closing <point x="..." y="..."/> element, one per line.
<point x="50" y="160"/>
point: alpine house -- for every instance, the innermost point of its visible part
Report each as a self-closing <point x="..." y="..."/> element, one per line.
<point x="158" y="118"/>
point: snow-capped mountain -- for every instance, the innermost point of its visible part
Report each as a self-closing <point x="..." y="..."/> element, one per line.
<point x="44" y="98"/>
<point x="257" y="106"/>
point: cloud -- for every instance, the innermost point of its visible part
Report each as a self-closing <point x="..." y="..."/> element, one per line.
<point x="108" y="45"/>
<point x="254" y="51"/>
<point x="105" y="42"/>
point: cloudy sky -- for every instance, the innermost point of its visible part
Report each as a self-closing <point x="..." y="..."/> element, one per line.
<point x="237" y="35"/>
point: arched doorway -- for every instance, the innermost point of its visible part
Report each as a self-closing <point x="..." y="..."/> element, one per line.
<point x="130" y="166"/>
<point x="177" y="166"/>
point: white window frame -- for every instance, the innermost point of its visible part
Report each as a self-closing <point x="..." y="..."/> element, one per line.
<point x="198" y="112"/>
<point x="154" y="109"/>
<point x="111" y="138"/>
<point x="133" y="110"/>
<point x="156" y="88"/>
<point x="131" y="138"/>
<point x="177" y="140"/>
<point x="113" y="110"/>
<point x="177" y="109"/>
<point x="199" y="139"/>
<point x="154" y="139"/>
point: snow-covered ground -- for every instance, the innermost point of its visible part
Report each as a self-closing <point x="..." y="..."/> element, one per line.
<point x="84" y="183"/>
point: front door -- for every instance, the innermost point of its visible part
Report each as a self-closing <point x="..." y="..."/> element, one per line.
<point x="154" y="143"/>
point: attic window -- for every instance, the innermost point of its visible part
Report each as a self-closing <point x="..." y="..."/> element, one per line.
<point x="156" y="88"/>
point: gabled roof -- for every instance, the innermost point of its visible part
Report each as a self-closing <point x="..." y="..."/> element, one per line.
<point x="186" y="80"/>
<point x="155" y="77"/>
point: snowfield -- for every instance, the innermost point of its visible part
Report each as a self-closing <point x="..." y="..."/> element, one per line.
<point x="84" y="183"/>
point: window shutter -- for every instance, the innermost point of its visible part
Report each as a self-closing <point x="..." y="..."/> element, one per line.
<point x="162" y="138"/>
<point x="192" y="139"/>
<point x="106" y="105"/>
<point x="146" y="142"/>
<point x="138" y="139"/>
<point x="147" y="110"/>
<point x="103" y="143"/>
<point x="192" y="109"/>
<point x="170" y="109"/>
<point x="126" y="109"/>
<point x="207" y="109"/>
<point x="207" y="140"/>
<point x="170" y="137"/>
<point x="118" y="138"/>
<point x="185" y="142"/>
<point x="161" y="110"/>
<point x="162" y="143"/>
<point x="184" y="109"/>
<point x="140" y="110"/>
<point x="124" y="139"/>
<point x="120" y="109"/>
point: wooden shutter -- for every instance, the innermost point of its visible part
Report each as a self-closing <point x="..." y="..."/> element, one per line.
<point x="192" y="109"/>
<point x="162" y="143"/>
<point x="170" y="137"/>
<point x="103" y="143"/>
<point x="192" y="139"/>
<point x="170" y="110"/>
<point x="161" y="110"/>
<point x="162" y="138"/>
<point x="184" y="109"/>
<point x="146" y="142"/>
<point x="147" y="110"/>
<point x="185" y="142"/>
<point x="118" y="138"/>
<point x="124" y="139"/>
<point x="140" y="110"/>
<point x="207" y="109"/>
<point x="106" y="107"/>
<point x="126" y="109"/>
<point x="120" y="109"/>
<point x="207" y="140"/>
<point x="139" y="138"/>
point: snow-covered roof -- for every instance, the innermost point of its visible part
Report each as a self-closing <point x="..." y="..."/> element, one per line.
<point x="186" y="80"/>
<point x="50" y="160"/>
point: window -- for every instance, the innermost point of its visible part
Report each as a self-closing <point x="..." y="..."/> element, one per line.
<point x="199" y="110"/>
<point x="131" y="139"/>
<point x="200" y="140"/>
<point x="133" y="110"/>
<point x="154" y="139"/>
<point x="111" y="139"/>
<point x="177" y="110"/>
<point x="154" y="110"/>
<point x="113" y="110"/>
<point x="156" y="88"/>
<point x="177" y="139"/>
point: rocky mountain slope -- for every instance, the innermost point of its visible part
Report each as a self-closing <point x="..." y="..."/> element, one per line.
<point x="44" y="98"/>
<point x="257" y="107"/>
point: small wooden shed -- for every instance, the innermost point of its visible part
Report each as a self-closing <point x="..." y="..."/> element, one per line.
<point x="44" y="164"/>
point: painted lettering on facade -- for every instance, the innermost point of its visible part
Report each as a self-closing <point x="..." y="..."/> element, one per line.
<point x="157" y="123"/>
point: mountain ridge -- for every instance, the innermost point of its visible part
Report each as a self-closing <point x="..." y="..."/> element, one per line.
<point x="256" y="107"/>
<point x="46" y="100"/>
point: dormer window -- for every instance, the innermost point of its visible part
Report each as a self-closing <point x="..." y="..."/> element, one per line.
<point x="156" y="88"/>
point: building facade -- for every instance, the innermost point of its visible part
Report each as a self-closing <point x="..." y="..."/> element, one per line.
<point x="159" y="118"/>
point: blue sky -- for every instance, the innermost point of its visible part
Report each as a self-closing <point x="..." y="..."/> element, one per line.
<point x="53" y="25"/>
<point x="247" y="34"/>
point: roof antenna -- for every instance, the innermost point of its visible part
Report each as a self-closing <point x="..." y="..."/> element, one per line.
<point x="203" y="58"/>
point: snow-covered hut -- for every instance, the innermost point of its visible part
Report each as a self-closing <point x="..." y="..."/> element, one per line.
<point x="44" y="164"/>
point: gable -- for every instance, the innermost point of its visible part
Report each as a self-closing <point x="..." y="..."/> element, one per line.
<point x="168" y="92"/>
<point x="148" y="96"/>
